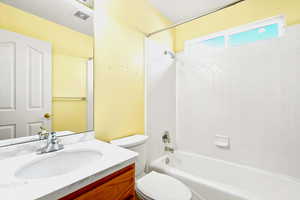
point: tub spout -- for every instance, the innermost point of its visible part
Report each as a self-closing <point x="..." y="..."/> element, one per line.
<point x="169" y="149"/>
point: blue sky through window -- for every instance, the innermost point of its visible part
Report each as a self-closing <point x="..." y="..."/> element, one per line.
<point x="253" y="35"/>
<point x="215" y="42"/>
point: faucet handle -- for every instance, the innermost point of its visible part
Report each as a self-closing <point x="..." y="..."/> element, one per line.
<point x="53" y="144"/>
<point x="43" y="134"/>
<point x="166" y="137"/>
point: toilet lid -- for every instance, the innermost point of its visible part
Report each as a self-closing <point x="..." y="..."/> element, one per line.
<point x="162" y="187"/>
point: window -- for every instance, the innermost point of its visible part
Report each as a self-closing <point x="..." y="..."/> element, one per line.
<point x="253" y="35"/>
<point x="257" y="31"/>
<point x="215" y="42"/>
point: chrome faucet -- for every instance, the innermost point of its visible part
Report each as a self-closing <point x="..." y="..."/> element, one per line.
<point x="53" y="144"/>
<point x="166" y="138"/>
<point x="169" y="149"/>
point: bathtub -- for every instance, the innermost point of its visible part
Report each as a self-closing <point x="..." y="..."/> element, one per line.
<point x="212" y="179"/>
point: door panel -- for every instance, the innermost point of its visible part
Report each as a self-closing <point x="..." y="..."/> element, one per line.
<point x="8" y="78"/>
<point x="7" y="131"/>
<point x="33" y="128"/>
<point x="35" y="79"/>
<point x="25" y="83"/>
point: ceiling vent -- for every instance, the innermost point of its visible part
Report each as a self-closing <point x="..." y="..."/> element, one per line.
<point x="81" y="15"/>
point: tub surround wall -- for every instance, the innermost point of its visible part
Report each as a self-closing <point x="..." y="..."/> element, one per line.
<point x="161" y="95"/>
<point x="249" y="93"/>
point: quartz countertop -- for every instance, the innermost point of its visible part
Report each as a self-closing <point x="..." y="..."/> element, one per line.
<point x="11" y="188"/>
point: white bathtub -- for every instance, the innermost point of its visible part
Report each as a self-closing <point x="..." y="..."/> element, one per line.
<point x="211" y="179"/>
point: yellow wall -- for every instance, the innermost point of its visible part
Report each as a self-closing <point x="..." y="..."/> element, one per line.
<point x="68" y="46"/>
<point x="69" y="80"/>
<point x="64" y="40"/>
<point x="119" y="64"/>
<point x="69" y="116"/>
<point x="243" y="13"/>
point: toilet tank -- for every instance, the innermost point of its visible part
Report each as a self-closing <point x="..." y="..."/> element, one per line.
<point x="136" y="143"/>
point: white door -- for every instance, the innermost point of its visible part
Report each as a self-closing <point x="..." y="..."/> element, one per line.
<point x="25" y="85"/>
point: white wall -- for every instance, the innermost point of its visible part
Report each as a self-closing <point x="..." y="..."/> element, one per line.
<point x="250" y="93"/>
<point x="161" y="95"/>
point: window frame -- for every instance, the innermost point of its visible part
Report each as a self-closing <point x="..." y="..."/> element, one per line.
<point x="280" y="20"/>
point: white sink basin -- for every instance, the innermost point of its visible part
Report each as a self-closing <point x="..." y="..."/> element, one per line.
<point x="58" y="163"/>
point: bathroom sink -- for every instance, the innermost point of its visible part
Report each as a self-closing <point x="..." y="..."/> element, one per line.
<point x="58" y="163"/>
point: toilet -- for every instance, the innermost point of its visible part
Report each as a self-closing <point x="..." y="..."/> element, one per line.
<point x="152" y="186"/>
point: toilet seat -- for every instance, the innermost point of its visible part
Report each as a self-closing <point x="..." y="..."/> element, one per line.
<point x="156" y="186"/>
<point x="141" y="196"/>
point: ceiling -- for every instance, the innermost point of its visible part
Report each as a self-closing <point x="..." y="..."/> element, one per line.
<point x="58" y="11"/>
<point x="179" y="10"/>
<point x="62" y="11"/>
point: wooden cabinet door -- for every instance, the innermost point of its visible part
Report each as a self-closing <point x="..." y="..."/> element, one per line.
<point x="117" y="186"/>
<point x="115" y="189"/>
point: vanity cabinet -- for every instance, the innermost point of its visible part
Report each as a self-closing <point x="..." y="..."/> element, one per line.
<point x="117" y="186"/>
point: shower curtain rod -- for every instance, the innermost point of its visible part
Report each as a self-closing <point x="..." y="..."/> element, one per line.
<point x="193" y="18"/>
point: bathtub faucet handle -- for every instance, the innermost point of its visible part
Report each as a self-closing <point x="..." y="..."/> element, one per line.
<point x="166" y="137"/>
